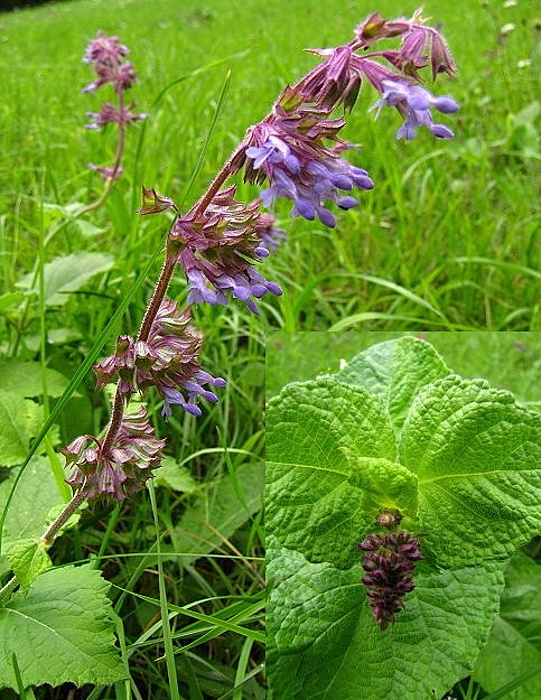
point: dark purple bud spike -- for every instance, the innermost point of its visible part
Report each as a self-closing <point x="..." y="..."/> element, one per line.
<point x="389" y="563"/>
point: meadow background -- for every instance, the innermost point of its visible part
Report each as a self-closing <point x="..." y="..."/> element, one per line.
<point x="449" y="237"/>
<point x="447" y="240"/>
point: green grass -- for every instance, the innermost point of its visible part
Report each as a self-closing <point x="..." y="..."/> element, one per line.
<point x="448" y="239"/>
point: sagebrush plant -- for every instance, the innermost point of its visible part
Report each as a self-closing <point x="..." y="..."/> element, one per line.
<point x="219" y="244"/>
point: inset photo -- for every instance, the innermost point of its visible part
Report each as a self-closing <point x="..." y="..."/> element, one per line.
<point x="402" y="515"/>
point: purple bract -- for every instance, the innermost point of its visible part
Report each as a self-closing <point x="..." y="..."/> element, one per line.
<point x="121" y="469"/>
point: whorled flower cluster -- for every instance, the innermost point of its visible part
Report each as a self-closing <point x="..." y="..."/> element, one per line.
<point x="167" y="360"/>
<point x="292" y="156"/>
<point x="389" y="565"/>
<point x="106" y="54"/>
<point x="117" y="470"/>
<point x="218" y="250"/>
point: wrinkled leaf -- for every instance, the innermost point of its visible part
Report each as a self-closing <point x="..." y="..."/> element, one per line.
<point x="318" y="620"/>
<point x="477" y="455"/>
<point x="458" y="459"/>
<point x="311" y="500"/>
<point x="395" y="371"/>
<point x="61" y="631"/>
<point x="514" y="645"/>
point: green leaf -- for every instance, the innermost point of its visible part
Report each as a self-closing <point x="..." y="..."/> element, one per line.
<point x="221" y="510"/>
<point x="35" y="497"/>
<point x="384" y="485"/>
<point x="514" y="645"/>
<point x="477" y="455"/>
<point x="61" y="631"/>
<point x="315" y="500"/>
<point x="395" y="371"/>
<point x="176" y="477"/>
<point x="11" y="300"/>
<point x="25" y="379"/>
<point x="459" y="459"/>
<point x="28" y="559"/>
<point x="20" y="421"/>
<point x="68" y="274"/>
<point x="323" y="642"/>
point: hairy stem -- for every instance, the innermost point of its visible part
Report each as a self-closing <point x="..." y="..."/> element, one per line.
<point x="160" y="290"/>
<point x="116" y="419"/>
<point x="227" y="170"/>
<point x="69" y="509"/>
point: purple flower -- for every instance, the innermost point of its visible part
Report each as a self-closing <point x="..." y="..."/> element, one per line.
<point x="414" y="103"/>
<point x="219" y="249"/>
<point x="299" y="167"/>
<point x="117" y="470"/>
<point x="440" y="56"/>
<point x="107" y="56"/>
<point x="108" y="172"/>
<point x="109" y="114"/>
<point x="333" y="82"/>
<point x="389" y="565"/>
<point x="167" y="360"/>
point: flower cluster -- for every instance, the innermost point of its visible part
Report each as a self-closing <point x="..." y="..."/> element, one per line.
<point x="111" y="115"/>
<point x="106" y="54"/>
<point x="167" y="360"/>
<point x="219" y="248"/>
<point x="389" y="563"/>
<point x="414" y="103"/>
<point x="290" y="148"/>
<point x="301" y="168"/>
<point x="118" y="469"/>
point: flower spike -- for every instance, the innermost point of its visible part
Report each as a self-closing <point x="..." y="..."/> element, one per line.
<point x="389" y="565"/>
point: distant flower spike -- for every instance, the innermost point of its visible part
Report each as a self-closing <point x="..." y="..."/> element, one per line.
<point x="106" y="54"/>
<point x="111" y="115"/>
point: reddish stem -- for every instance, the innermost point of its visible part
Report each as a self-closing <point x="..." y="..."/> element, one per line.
<point x="158" y="295"/>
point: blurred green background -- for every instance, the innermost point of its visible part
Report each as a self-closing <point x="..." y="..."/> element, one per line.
<point x="507" y="360"/>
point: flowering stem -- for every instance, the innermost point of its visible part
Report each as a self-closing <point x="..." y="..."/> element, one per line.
<point x="116" y="419"/>
<point x="227" y="170"/>
<point x="116" y="165"/>
<point x="69" y="509"/>
<point x="158" y="295"/>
